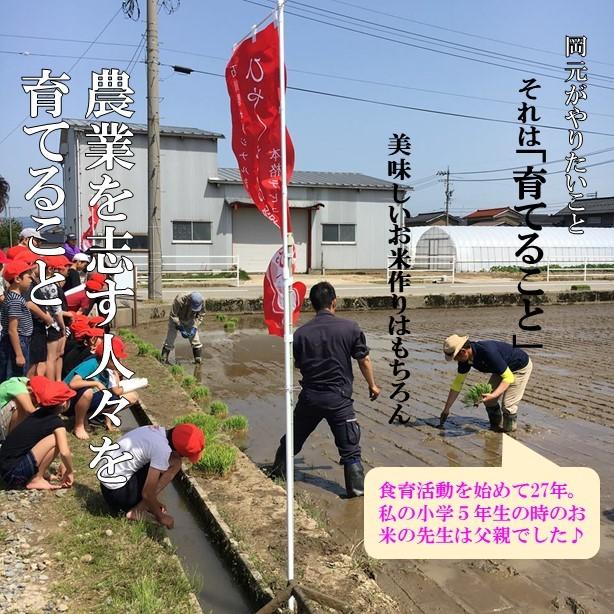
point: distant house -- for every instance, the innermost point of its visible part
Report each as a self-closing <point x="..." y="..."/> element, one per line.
<point x="599" y="213"/>
<point x="435" y="218"/>
<point x="546" y="220"/>
<point x="501" y="216"/>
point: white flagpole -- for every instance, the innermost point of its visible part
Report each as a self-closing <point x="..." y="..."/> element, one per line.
<point x="287" y="248"/>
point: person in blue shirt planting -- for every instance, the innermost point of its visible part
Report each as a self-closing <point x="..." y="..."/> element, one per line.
<point x="185" y="317"/>
<point x="510" y="369"/>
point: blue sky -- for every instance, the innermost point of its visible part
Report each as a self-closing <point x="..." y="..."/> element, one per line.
<point x="333" y="134"/>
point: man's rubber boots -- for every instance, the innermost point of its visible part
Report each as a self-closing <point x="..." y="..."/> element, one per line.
<point x="197" y="352"/>
<point x="278" y="470"/>
<point x="164" y="354"/>
<point x="495" y="416"/>
<point x="354" y="479"/>
<point x="510" y="422"/>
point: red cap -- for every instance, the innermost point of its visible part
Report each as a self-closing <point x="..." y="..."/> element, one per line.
<point x="89" y="332"/>
<point x="3" y="257"/>
<point x="15" y="268"/>
<point x="57" y="262"/>
<point x="49" y="393"/>
<point x="189" y="441"/>
<point x="93" y="285"/>
<point x="12" y="252"/>
<point x="100" y="277"/>
<point x="96" y="320"/>
<point x="79" y="323"/>
<point x="26" y="255"/>
<point x="119" y="349"/>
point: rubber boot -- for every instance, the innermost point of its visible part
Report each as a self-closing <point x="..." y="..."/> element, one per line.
<point x="197" y="352"/>
<point x="164" y="355"/>
<point x="354" y="479"/>
<point x="279" y="464"/>
<point x="495" y="416"/>
<point x="510" y="422"/>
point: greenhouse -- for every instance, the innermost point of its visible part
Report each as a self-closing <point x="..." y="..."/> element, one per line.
<point x="479" y="248"/>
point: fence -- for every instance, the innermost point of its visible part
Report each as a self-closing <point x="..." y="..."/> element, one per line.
<point x="447" y="268"/>
<point x="191" y="268"/>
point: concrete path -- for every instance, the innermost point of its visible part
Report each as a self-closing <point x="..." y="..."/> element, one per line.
<point x="350" y="287"/>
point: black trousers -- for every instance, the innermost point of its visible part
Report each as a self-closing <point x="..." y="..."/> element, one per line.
<point x="338" y="410"/>
<point x="122" y="500"/>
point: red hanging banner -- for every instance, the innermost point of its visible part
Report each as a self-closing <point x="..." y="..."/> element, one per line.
<point x="273" y="299"/>
<point x="252" y="77"/>
<point x="93" y="220"/>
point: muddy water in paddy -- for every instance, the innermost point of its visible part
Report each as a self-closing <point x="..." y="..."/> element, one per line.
<point x="567" y="415"/>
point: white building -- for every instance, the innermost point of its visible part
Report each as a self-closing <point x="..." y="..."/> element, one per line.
<point x="340" y="220"/>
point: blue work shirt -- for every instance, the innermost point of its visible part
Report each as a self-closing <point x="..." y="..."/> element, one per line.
<point x="85" y="369"/>
<point x="323" y="351"/>
<point x="494" y="357"/>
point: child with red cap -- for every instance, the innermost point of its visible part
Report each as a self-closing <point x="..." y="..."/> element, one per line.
<point x="16" y="321"/>
<point x="84" y="339"/>
<point x="30" y="447"/>
<point x="90" y="390"/>
<point x="77" y="297"/>
<point x="16" y="403"/>
<point x="132" y="485"/>
<point x="51" y="337"/>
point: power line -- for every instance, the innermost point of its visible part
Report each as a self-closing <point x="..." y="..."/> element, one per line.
<point x="291" y="71"/>
<point x="79" y="58"/>
<point x="34" y="54"/>
<point x="513" y="168"/>
<point x="468" y="34"/>
<point x="445" y="43"/>
<point x="434" y="111"/>
<point x="331" y="95"/>
<point x="549" y="174"/>
<point x="66" y="40"/>
<point x="407" y="44"/>
<point x="401" y="106"/>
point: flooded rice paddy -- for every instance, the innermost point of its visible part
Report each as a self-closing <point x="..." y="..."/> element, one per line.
<point x="567" y="415"/>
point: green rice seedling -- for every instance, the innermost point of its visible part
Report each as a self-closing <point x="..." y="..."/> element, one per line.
<point x="219" y="409"/>
<point x="209" y="425"/>
<point x="218" y="459"/>
<point x="220" y="317"/>
<point x="236" y="424"/>
<point x="199" y="393"/>
<point x="177" y="371"/>
<point x="142" y="348"/>
<point x="188" y="381"/>
<point x="230" y="327"/>
<point x="473" y="396"/>
<point x="155" y="353"/>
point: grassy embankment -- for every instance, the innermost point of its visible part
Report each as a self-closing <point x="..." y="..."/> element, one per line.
<point x="222" y="432"/>
<point x="110" y="564"/>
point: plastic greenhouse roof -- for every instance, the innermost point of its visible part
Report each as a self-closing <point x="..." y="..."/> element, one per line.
<point x="507" y="236"/>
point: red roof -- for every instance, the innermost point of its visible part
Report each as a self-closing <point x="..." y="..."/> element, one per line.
<point x="487" y="212"/>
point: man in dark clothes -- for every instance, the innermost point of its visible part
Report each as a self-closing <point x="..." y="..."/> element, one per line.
<point x="323" y="351"/>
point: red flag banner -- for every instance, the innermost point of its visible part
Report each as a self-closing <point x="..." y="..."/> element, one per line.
<point x="252" y="77"/>
<point x="274" y="295"/>
<point x="93" y="220"/>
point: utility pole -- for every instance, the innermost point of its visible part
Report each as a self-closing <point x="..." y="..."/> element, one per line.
<point x="448" y="192"/>
<point x="154" y="265"/>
